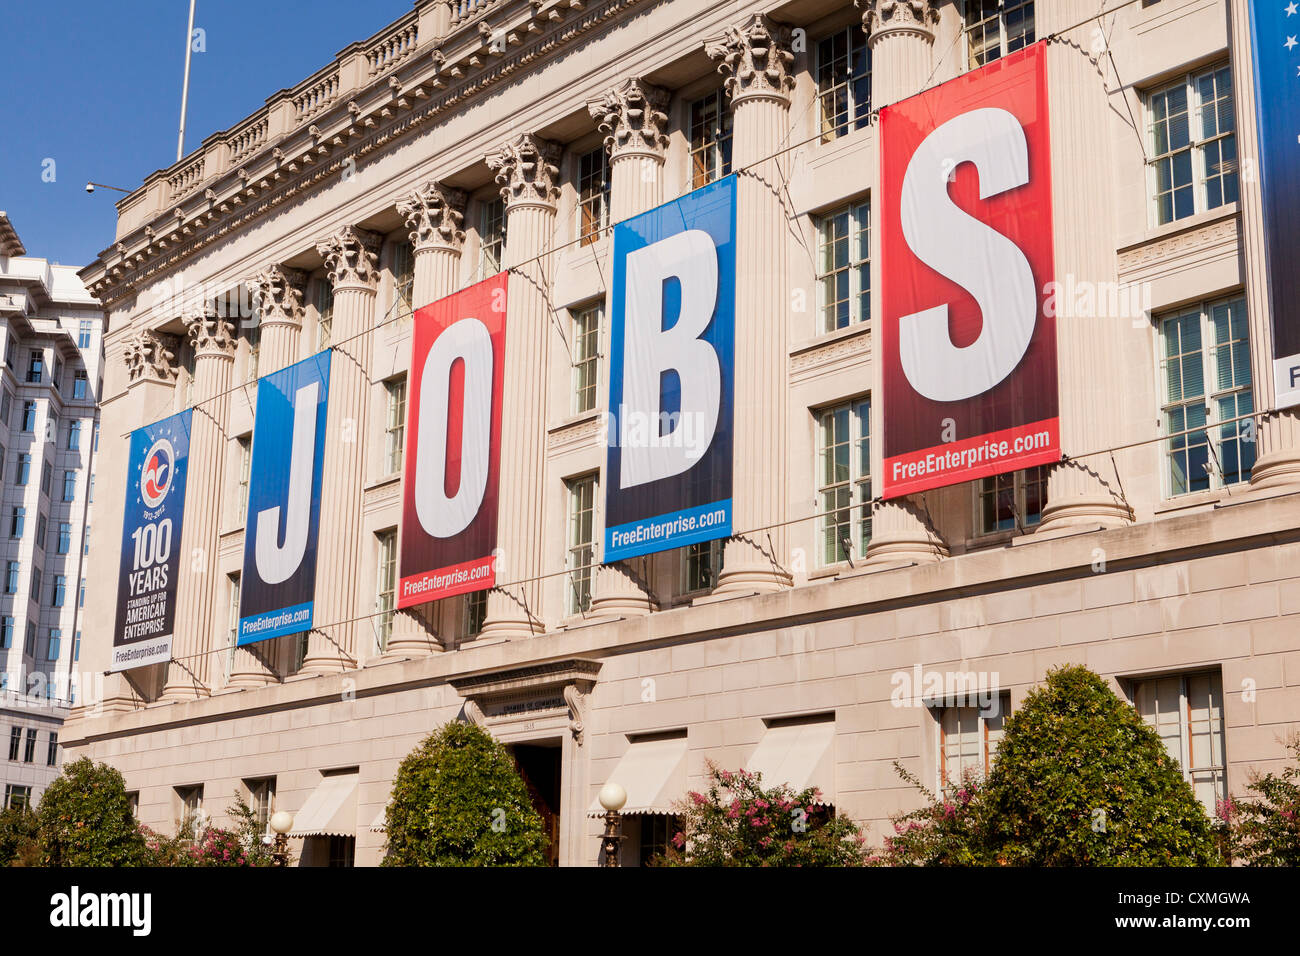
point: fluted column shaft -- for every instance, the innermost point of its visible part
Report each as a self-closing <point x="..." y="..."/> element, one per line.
<point x="1278" y="436"/>
<point x="901" y="37"/>
<point x="755" y="59"/>
<point x="434" y="214"/>
<point x="351" y="256"/>
<point x="527" y="170"/>
<point x="1087" y="492"/>
<point x="633" y="119"/>
<point x="196" y="591"/>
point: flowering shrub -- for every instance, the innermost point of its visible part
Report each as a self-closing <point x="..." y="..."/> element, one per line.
<point x="948" y="831"/>
<point x="737" y="822"/>
<point x="211" y="846"/>
<point x="1266" y="831"/>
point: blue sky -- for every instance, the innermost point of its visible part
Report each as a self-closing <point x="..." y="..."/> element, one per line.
<point x="98" y="91"/>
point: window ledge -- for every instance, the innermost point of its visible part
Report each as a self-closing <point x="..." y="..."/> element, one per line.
<point x="1191" y="223"/>
<point x="1197" y="500"/>
<point x="822" y="339"/>
<point x="384" y="481"/>
<point x="572" y="420"/>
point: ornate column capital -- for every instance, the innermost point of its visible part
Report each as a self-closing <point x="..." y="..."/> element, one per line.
<point x="882" y="17"/>
<point x="150" y="356"/>
<point x="352" y="257"/>
<point x="528" y="171"/>
<point x="277" y="295"/>
<point x="632" y="116"/>
<point x="210" y="333"/>
<point x="434" y="213"/>
<point x="755" y="59"/>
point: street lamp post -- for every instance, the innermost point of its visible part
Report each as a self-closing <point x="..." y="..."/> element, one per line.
<point x="281" y="824"/>
<point x="613" y="798"/>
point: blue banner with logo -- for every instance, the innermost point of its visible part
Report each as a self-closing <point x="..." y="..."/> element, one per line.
<point x="1276" y="31"/>
<point x="669" y="437"/>
<point x="151" y="543"/>
<point x="278" y="585"/>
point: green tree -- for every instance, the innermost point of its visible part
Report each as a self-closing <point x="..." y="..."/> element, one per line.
<point x="1080" y="780"/>
<point x="737" y="821"/>
<point x="85" y="819"/>
<point x="458" y="800"/>
<point x="1266" y="831"/>
<point x="18" y="837"/>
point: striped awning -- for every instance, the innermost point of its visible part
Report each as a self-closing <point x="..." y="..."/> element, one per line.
<point x="331" y="810"/>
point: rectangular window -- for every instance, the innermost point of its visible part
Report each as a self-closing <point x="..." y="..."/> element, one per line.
<point x="35" y="367"/>
<point x="36" y="586"/>
<point x="41" y="527"/>
<point x="968" y="740"/>
<point x="386" y="587"/>
<point x="395" y="426"/>
<point x="53" y="644"/>
<point x="252" y="335"/>
<point x="59" y="593"/>
<point x="593" y="195"/>
<point x="74" y="434"/>
<point x="29" y="416"/>
<point x="995" y="28"/>
<point x="1193" y="145"/>
<point x="29" y="748"/>
<point x="844" y="480"/>
<point x="6" y="633"/>
<point x="586" y="356"/>
<point x="323" y="300"/>
<point x="65" y="537"/>
<point x="6" y="401"/>
<point x="47" y="476"/>
<point x="15" y="741"/>
<point x="29" y="641"/>
<point x="80" y="384"/>
<point x="17" y="521"/>
<point x="475" y="613"/>
<point x="1011" y="501"/>
<point x="492" y="235"/>
<point x="57" y="378"/>
<point x="1205" y="367"/>
<point x="245" y="464"/>
<point x="232" y="623"/>
<point x="403" y="268"/>
<point x="90" y="491"/>
<point x="710" y="139"/>
<point x="52" y="753"/>
<point x="844" y="82"/>
<point x="69" y="486"/>
<point x="657" y="829"/>
<point x="85" y="541"/>
<point x="18" y="797"/>
<point x="582" y="502"/>
<point x="23" y="469"/>
<point x="81" y="598"/>
<point x="76" y="641"/>
<point x="85" y="333"/>
<point x="1186" y="710"/>
<point x="191" y="804"/>
<point x="844" y="266"/>
<point x="11" y="577"/>
<point x="701" y="564"/>
<point x="261" y="800"/>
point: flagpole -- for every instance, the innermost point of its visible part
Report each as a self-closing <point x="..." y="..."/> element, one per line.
<point x="185" y="89"/>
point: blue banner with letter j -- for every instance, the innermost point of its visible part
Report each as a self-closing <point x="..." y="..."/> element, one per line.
<point x="277" y="588"/>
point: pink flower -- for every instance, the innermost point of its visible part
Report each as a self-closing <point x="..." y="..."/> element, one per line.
<point x="698" y="798"/>
<point x="679" y="841"/>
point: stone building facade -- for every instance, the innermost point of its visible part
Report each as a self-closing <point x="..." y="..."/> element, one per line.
<point x="473" y="136"/>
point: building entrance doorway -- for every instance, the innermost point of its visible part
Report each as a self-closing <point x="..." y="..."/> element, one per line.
<point x="539" y="764"/>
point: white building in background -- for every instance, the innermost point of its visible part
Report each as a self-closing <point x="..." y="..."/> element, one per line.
<point x="52" y="344"/>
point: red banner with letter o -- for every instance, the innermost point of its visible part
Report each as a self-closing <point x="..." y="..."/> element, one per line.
<point x="453" y="445"/>
<point x="969" y="372"/>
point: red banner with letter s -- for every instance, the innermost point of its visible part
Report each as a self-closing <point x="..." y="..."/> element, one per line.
<point x="969" y="353"/>
<point x="453" y="445"/>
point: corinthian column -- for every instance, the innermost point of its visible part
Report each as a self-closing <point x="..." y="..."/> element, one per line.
<point x="755" y="60"/>
<point x="277" y="292"/>
<point x="351" y="257"/>
<point x="196" y="591"/>
<point x="434" y="214"/>
<point x="900" y="34"/>
<point x="632" y="117"/>
<point x="1278" y="436"/>
<point x="527" y="170"/>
